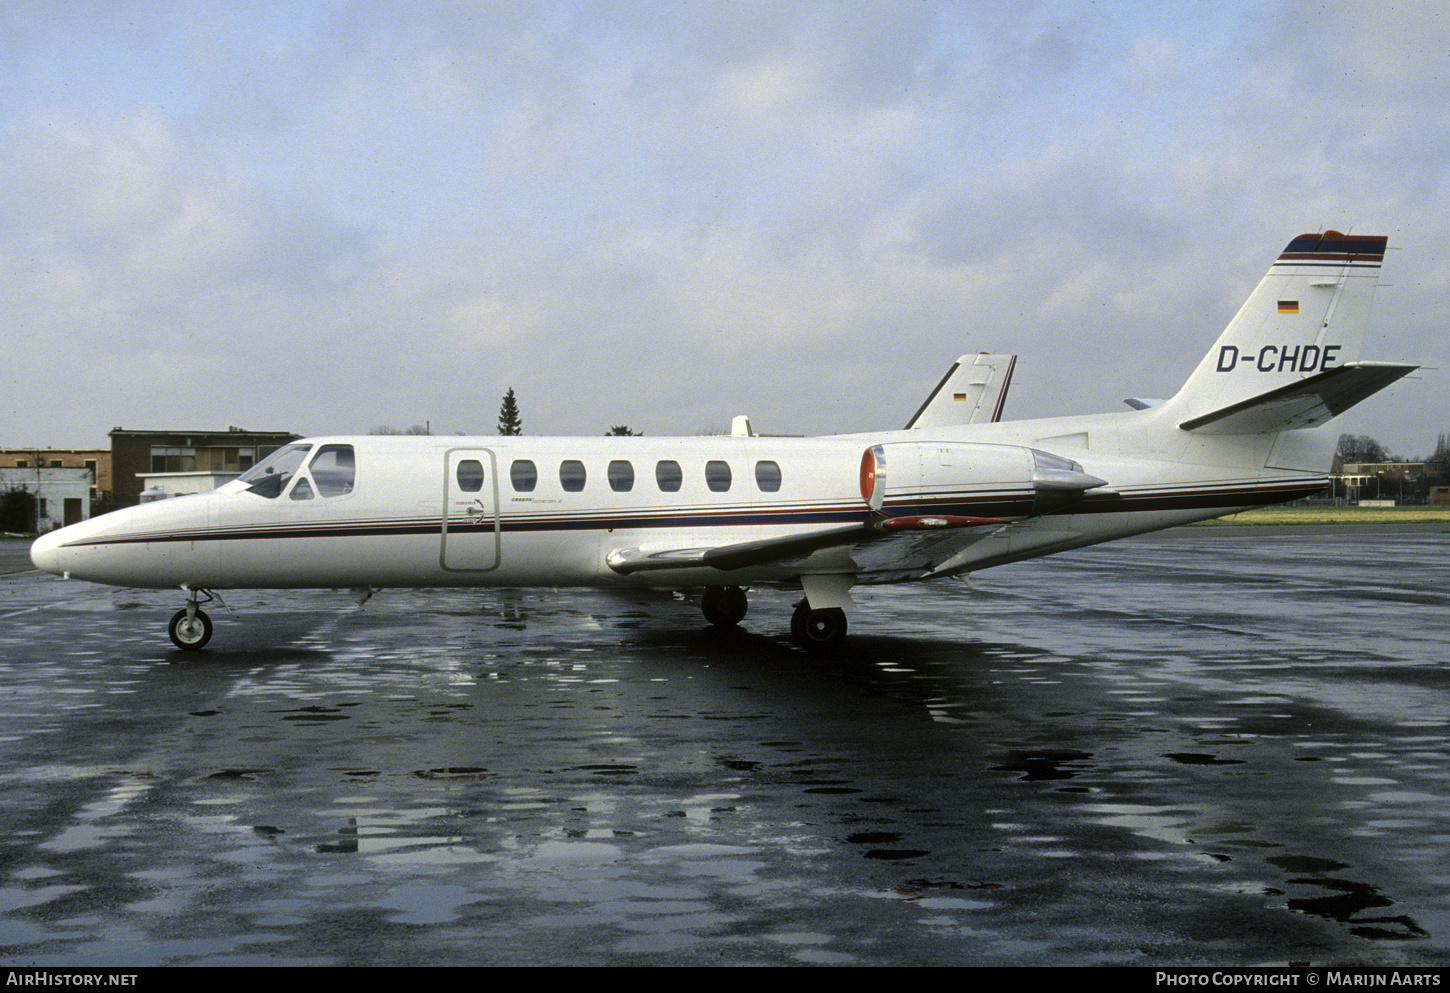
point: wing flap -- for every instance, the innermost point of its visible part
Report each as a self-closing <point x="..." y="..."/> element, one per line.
<point x="1304" y="404"/>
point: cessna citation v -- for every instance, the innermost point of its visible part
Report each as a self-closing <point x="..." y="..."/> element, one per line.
<point x="955" y="491"/>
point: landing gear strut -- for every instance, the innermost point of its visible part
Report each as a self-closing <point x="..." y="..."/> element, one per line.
<point x="817" y="630"/>
<point x="190" y="628"/>
<point x="724" y="606"/>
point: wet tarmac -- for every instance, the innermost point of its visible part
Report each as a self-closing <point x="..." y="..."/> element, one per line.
<point x="1208" y="747"/>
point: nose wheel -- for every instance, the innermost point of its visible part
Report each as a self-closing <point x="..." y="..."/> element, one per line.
<point x="190" y="628"/>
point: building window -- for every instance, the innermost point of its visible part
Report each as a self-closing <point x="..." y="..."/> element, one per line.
<point x="172" y="459"/>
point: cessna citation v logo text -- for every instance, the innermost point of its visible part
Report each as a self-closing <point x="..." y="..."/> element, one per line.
<point x="1279" y="358"/>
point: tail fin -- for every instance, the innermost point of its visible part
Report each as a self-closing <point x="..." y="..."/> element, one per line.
<point x="1307" y="317"/>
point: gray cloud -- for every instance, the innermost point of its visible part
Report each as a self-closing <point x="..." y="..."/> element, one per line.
<point x="665" y="214"/>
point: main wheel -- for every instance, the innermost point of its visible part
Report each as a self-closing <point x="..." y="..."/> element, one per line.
<point x="189" y="633"/>
<point x="724" y="606"/>
<point x="818" y="630"/>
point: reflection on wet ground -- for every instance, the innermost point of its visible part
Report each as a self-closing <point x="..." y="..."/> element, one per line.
<point x="1197" y="748"/>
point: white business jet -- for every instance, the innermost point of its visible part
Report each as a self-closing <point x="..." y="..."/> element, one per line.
<point x="957" y="490"/>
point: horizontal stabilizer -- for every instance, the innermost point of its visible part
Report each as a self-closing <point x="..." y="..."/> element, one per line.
<point x="1306" y="403"/>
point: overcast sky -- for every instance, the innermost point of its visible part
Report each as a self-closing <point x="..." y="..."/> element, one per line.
<point x="325" y="217"/>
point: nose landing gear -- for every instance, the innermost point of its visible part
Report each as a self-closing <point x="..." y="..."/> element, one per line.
<point x="190" y="627"/>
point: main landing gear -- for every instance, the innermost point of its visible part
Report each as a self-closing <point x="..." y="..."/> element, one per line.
<point x="190" y="628"/>
<point x="817" y="630"/>
<point x="724" y="606"/>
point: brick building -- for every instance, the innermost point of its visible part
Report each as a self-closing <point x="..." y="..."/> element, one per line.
<point x="97" y="460"/>
<point x="138" y="453"/>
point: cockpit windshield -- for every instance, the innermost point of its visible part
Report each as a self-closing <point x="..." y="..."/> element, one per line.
<point x="270" y="477"/>
<point x="329" y="472"/>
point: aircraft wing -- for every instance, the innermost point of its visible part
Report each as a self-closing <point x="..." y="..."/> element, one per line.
<point x="735" y="556"/>
<point x="1303" y="404"/>
<point x="973" y="391"/>
<point x="766" y="550"/>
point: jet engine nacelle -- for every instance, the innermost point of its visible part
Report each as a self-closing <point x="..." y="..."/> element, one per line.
<point x="902" y="480"/>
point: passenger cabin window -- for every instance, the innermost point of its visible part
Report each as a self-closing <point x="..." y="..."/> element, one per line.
<point x="332" y="470"/>
<point x="270" y="477"/>
<point x="524" y="475"/>
<point x="767" y="477"/>
<point x="470" y="475"/>
<point x="668" y="476"/>
<point x="717" y="475"/>
<point x="621" y="476"/>
<point x="571" y="475"/>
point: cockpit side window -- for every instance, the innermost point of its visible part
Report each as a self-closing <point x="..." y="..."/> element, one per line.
<point x="270" y="477"/>
<point x="332" y="469"/>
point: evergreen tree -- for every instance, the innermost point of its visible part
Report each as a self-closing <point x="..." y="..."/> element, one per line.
<point x="509" y="421"/>
<point x="620" y="431"/>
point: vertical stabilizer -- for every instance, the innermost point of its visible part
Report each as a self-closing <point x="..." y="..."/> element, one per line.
<point x="1307" y="316"/>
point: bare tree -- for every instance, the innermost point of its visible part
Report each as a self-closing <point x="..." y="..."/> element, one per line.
<point x="1362" y="448"/>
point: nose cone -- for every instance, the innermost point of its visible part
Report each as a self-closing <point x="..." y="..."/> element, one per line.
<point x="45" y="553"/>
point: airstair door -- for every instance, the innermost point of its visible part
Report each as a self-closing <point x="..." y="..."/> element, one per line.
<point x="471" y="539"/>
